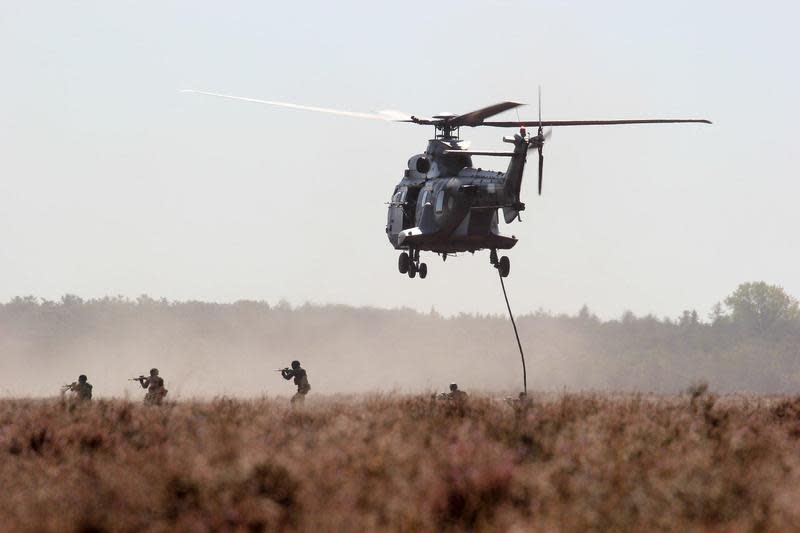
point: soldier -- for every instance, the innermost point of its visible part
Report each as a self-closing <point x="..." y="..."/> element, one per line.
<point x="155" y="387"/>
<point x="456" y="393"/>
<point x="82" y="389"/>
<point x="300" y="379"/>
<point x="521" y="402"/>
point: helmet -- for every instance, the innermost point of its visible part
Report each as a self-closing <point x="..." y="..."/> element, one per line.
<point x="153" y="371"/>
<point x="82" y="378"/>
<point x="295" y="364"/>
<point x="453" y="386"/>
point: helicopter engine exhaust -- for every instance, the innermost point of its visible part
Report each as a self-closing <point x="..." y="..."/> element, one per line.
<point x="419" y="163"/>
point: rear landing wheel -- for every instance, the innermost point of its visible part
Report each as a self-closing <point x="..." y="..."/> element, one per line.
<point x="402" y="263"/>
<point x="412" y="270"/>
<point x="504" y="266"/>
<point x="423" y="270"/>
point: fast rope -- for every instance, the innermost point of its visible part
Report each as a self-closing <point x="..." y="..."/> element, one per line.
<point x="516" y="334"/>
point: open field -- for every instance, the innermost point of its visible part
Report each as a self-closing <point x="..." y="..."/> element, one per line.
<point x="579" y="462"/>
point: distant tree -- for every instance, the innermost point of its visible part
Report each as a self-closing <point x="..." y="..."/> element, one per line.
<point x="717" y="315"/>
<point x="688" y="318"/>
<point x="759" y="306"/>
<point x="144" y="299"/>
<point x="24" y="301"/>
<point x="71" y="299"/>
<point x="628" y="317"/>
<point x="586" y="315"/>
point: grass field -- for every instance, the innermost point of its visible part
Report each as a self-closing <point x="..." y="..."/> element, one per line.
<point x="585" y="462"/>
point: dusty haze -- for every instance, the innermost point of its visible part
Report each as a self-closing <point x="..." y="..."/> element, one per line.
<point x="207" y="349"/>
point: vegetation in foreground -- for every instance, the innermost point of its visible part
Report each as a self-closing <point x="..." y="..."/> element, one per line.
<point x="585" y="462"/>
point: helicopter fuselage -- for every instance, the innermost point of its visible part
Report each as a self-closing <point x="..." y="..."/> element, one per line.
<point x="445" y="205"/>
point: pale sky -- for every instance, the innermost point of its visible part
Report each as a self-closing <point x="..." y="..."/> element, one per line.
<point x="113" y="182"/>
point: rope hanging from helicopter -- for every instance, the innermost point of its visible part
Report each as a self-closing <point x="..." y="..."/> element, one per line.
<point x="516" y="334"/>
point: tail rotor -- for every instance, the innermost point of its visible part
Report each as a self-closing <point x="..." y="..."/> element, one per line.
<point x="541" y="136"/>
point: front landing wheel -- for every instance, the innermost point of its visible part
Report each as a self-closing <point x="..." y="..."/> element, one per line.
<point x="504" y="266"/>
<point x="423" y="270"/>
<point x="403" y="262"/>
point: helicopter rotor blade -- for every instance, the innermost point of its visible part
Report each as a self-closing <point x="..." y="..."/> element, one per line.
<point x="552" y="123"/>
<point x="541" y="141"/>
<point x="396" y="116"/>
<point x="541" y="166"/>
<point x="388" y="116"/>
<point x="540" y="112"/>
<point x="476" y="118"/>
<point x="472" y="118"/>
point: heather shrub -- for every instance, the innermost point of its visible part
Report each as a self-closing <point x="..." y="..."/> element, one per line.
<point x="571" y="462"/>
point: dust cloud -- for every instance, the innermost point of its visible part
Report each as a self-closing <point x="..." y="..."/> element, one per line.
<point x="205" y="349"/>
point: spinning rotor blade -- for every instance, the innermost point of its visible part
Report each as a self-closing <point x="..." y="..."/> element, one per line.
<point x="541" y="166"/>
<point x="541" y="142"/>
<point x="386" y="115"/>
<point x="476" y="118"/>
<point x="472" y="118"/>
<point x="593" y="122"/>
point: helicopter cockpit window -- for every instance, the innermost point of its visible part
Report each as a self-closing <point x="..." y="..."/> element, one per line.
<point x="439" y="202"/>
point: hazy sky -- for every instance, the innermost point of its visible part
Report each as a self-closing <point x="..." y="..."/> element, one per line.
<point x="113" y="182"/>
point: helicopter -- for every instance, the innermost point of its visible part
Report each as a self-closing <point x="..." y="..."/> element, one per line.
<point x="445" y="205"/>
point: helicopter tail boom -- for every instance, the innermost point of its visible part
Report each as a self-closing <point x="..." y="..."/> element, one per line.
<point x="514" y="174"/>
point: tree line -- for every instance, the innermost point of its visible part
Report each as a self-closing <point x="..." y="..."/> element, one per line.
<point x="749" y="342"/>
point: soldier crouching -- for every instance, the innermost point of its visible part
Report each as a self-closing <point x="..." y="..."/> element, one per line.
<point x="455" y="394"/>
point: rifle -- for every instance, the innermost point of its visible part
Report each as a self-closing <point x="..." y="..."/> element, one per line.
<point x="67" y="388"/>
<point x="140" y="378"/>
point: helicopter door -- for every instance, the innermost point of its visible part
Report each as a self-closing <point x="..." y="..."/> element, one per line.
<point x="396" y="208"/>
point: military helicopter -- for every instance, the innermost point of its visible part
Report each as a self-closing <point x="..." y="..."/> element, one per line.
<point x="444" y="204"/>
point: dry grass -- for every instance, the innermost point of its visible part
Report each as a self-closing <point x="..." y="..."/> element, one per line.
<point x="396" y="463"/>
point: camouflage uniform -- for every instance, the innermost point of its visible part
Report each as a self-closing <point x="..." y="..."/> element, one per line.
<point x="300" y="379"/>
<point x="82" y="389"/>
<point x="455" y="394"/>
<point x="155" y="388"/>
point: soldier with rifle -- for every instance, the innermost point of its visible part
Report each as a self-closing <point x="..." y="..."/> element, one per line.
<point x="300" y="379"/>
<point x="455" y="394"/>
<point x="81" y="389"/>
<point x="154" y="385"/>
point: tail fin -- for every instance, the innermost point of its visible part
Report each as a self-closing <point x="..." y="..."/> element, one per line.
<point x="513" y="179"/>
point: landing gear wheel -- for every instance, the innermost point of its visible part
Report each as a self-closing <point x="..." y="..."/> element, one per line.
<point x="504" y="266"/>
<point x="412" y="270"/>
<point x="423" y="270"/>
<point x="403" y="262"/>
